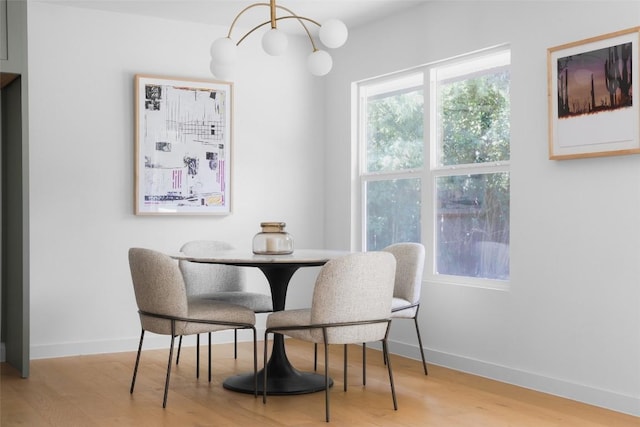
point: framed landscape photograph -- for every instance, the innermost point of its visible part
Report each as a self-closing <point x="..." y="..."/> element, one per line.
<point x="593" y="96"/>
<point x="182" y="146"/>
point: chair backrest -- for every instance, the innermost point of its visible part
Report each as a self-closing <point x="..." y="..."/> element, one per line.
<point x="410" y="265"/>
<point x="206" y="278"/>
<point x="355" y="287"/>
<point x="158" y="286"/>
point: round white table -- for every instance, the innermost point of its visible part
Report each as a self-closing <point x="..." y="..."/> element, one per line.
<point x="282" y="378"/>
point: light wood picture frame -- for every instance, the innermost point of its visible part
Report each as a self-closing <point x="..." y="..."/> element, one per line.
<point x="183" y="137"/>
<point x="593" y="96"/>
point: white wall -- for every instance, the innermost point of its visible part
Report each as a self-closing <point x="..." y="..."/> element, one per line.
<point x="570" y="324"/>
<point x="82" y="66"/>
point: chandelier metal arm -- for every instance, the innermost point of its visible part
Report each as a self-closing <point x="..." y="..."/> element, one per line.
<point x="299" y="18"/>
<point x="224" y="50"/>
<point x="273" y="21"/>
<point x="233" y="23"/>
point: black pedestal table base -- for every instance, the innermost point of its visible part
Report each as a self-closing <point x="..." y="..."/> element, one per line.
<point x="282" y="377"/>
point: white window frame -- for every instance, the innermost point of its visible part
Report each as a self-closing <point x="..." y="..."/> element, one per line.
<point x="430" y="171"/>
<point x="393" y="81"/>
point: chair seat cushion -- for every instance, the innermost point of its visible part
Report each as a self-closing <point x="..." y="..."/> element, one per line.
<point x="260" y="303"/>
<point x="202" y="309"/>
<point x="300" y="317"/>
<point x="339" y="335"/>
<point x="398" y="312"/>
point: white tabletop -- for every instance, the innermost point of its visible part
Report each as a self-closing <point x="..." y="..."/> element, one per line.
<point x="238" y="257"/>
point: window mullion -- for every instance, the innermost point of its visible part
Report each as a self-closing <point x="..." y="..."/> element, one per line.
<point x="478" y="168"/>
<point x="385" y="176"/>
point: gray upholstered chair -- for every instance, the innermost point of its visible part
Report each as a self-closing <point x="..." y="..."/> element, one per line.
<point x="408" y="284"/>
<point x="351" y="304"/>
<point x="406" y="292"/>
<point x="218" y="282"/>
<point x="165" y="309"/>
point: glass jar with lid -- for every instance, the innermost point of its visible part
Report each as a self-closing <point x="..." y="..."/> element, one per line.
<point x="272" y="240"/>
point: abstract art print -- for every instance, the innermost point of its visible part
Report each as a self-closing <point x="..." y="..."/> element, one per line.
<point x="183" y="146"/>
<point x="593" y="97"/>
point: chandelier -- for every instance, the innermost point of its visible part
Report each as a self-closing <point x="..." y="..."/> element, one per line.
<point x="332" y="33"/>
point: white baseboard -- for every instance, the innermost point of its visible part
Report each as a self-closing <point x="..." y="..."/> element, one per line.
<point x="151" y="342"/>
<point x="593" y="396"/>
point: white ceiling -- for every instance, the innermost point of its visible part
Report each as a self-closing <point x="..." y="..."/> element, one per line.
<point x="222" y="12"/>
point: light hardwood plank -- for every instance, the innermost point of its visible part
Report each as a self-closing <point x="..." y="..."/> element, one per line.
<point x="94" y="391"/>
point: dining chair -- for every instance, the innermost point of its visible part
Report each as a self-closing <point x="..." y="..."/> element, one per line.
<point x="218" y="282"/>
<point x="408" y="285"/>
<point x="164" y="307"/>
<point x="351" y="304"/>
<point x="406" y="292"/>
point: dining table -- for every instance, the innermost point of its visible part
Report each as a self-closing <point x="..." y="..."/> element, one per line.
<point x="282" y="377"/>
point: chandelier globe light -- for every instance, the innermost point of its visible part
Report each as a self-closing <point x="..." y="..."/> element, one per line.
<point x="275" y="42"/>
<point x="319" y="63"/>
<point x="224" y="51"/>
<point x="333" y="34"/>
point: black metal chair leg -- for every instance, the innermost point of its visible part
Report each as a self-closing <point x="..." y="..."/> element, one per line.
<point x="315" y="356"/>
<point x="326" y="373"/>
<point x="384" y="358"/>
<point x="197" y="356"/>
<point x="393" y="389"/>
<point x="345" y="367"/>
<point x="179" y="348"/>
<point x="166" y="384"/>
<point x="424" y="363"/>
<point x="255" y="363"/>
<point x="209" y="356"/>
<point x="364" y="363"/>
<point x="135" y="369"/>
<point x="235" y="343"/>
<point x="264" y="370"/>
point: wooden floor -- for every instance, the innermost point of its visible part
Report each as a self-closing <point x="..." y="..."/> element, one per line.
<point x="94" y="391"/>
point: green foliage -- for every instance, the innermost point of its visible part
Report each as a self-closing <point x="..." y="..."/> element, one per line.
<point x="395" y="132"/>
<point x="475" y="120"/>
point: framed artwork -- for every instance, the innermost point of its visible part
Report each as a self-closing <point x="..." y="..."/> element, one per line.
<point x="593" y="96"/>
<point x="183" y="146"/>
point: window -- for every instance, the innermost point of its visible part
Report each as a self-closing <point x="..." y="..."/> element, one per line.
<point x="438" y="172"/>
<point x="392" y="164"/>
